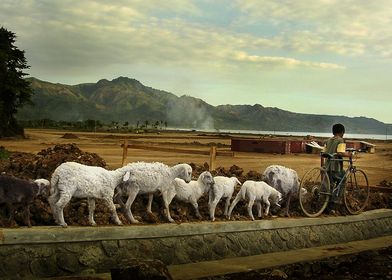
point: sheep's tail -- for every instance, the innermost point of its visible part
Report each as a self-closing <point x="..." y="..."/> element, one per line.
<point x="238" y="181"/>
<point x="53" y="183"/>
<point x="242" y="192"/>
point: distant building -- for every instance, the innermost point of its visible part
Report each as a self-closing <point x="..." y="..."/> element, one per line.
<point x="287" y="146"/>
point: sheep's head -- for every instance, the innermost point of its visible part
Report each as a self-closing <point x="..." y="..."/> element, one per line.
<point x="277" y="198"/>
<point x="207" y="179"/>
<point x="183" y="171"/>
<point x="43" y="187"/>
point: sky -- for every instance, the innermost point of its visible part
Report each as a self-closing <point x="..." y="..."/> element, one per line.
<point x="329" y="57"/>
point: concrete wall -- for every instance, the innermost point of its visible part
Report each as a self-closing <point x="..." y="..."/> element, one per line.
<point x="53" y="251"/>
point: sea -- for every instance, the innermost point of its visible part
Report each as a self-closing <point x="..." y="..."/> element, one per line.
<point x="290" y="133"/>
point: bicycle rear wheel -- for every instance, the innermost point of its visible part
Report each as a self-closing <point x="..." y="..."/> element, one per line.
<point x="356" y="192"/>
<point x="314" y="192"/>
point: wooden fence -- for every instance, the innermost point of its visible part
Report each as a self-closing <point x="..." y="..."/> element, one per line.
<point x="212" y="152"/>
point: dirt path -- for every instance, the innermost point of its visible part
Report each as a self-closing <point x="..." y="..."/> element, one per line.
<point x="378" y="166"/>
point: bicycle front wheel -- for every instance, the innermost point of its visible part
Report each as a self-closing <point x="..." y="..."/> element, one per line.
<point x="314" y="192"/>
<point x="356" y="192"/>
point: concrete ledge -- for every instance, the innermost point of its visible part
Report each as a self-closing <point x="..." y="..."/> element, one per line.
<point x="55" y="234"/>
<point x="40" y="252"/>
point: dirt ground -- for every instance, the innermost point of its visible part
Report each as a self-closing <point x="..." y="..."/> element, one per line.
<point x="378" y="166"/>
<point x="43" y="150"/>
<point x="374" y="264"/>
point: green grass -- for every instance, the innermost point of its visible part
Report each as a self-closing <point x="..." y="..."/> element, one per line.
<point x="4" y="154"/>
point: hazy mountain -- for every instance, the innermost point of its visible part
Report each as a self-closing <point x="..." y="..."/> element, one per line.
<point x="124" y="99"/>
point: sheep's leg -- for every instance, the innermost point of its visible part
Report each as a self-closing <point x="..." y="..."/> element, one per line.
<point x="233" y="204"/>
<point x="250" y="205"/>
<point x="60" y="204"/>
<point x="150" y="197"/>
<point x="52" y="202"/>
<point x="258" y="203"/>
<point x="212" y="207"/>
<point x="117" y="199"/>
<point x="91" y="208"/>
<point x="11" y="210"/>
<point x="167" y="199"/>
<point x="27" y="215"/>
<point x="169" y="194"/>
<point x="288" y="205"/>
<point x="196" y="206"/>
<point x="131" y="197"/>
<point x="227" y="205"/>
<point x="266" y="202"/>
<point x="112" y="209"/>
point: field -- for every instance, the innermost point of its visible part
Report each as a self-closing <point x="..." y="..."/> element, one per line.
<point x="378" y="166"/>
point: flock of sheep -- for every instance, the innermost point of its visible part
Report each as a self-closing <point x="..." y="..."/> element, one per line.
<point x="72" y="179"/>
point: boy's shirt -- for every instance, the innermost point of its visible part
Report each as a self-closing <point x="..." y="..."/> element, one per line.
<point x="334" y="145"/>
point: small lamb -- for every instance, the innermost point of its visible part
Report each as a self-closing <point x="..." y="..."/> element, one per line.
<point x="143" y="177"/>
<point x="192" y="191"/>
<point x="15" y="191"/>
<point x="223" y="188"/>
<point x="72" y="179"/>
<point x="259" y="192"/>
<point x="284" y="180"/>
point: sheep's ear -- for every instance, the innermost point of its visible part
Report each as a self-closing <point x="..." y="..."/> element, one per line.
<point x="127" y="176"/>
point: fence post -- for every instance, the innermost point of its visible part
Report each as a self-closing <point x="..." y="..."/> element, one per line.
<point x="125" y="152"/>
<point x="212" y="157"/>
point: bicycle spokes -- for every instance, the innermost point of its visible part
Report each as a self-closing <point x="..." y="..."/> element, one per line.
<point x="314" y="192"/>
<point x="356" y="191"/>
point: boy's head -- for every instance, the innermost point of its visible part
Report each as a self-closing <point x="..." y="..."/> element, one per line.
<point x="338" y="129"/>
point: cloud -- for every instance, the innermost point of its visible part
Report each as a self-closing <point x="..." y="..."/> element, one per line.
<point x="89" y="34"/>
<point x="344" y="27"/>
<point x="283" y="62"/>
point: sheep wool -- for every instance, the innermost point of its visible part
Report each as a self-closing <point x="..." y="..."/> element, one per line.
<point x="192" y="191"/>
<point x="144" y="177"/>
<point x="223" y="188"/>
<point x="72" y="179"/>
<point x="284" y="180"/>
<point x="258" y="192"/>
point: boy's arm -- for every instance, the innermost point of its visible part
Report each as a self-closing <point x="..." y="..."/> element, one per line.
<point x="341" y="150"/>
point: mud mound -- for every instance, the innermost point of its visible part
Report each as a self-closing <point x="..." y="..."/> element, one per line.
<point x="70" y="136"/>
<point x="50" y="158"/>
<point x="42" y="165"/>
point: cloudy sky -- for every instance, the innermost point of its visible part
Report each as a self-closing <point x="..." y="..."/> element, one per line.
<point x="308" y="56"/>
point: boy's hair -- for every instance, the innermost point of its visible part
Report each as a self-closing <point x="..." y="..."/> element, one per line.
<point x="338" y="128"/>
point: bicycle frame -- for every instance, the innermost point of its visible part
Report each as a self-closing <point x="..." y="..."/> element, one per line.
<point x="336" y="190"/>
<point x="323" y="185"/>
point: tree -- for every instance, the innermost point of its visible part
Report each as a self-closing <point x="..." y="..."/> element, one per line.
<point x="15" y="91"/>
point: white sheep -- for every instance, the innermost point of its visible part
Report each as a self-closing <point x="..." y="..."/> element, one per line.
<point x="285" y="180"/>
<point x="259" y="192"/>
<point x="72" y="179"/>
<point x="143" y="177"/>
<point x="223" y="188"/>
<point x="192" y="191"/>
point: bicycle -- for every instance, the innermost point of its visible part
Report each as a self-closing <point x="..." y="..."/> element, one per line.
<point x="315" y="188"/>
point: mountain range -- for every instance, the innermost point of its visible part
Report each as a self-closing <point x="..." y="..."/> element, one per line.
<point x="127" y="100"/>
